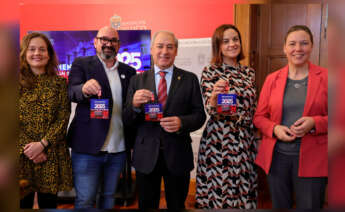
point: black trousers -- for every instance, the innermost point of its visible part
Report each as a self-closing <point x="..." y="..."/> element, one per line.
<point x="283" y="180"/>
<point x="149" y="186"/>
<point x="45" y="200"/>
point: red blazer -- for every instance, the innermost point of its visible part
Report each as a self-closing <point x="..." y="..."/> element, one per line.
<point x="336" y="182"/>
<point x="313" y="160"/>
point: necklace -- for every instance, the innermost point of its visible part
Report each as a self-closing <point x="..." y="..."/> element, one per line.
<point x="298" y="85"/>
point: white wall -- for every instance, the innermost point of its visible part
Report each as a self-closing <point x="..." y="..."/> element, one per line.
<point x="193" y="55"/>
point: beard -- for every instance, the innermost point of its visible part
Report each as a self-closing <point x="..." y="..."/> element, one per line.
<point x="110" y="54"/>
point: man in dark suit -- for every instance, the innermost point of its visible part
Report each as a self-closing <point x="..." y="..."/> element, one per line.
<point x="98" y="145"/>
<point x="163" y="148"/>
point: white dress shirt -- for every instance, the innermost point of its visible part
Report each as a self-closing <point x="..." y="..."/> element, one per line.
<point x="115" y="141"/>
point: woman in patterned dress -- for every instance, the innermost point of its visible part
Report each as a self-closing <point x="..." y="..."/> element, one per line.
<point x="226" y="177"/>
<point x="44" y="109"/>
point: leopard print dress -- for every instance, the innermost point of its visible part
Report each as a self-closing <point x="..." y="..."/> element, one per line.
<point x="44" y="112"/>
<point x="226" y="175"/>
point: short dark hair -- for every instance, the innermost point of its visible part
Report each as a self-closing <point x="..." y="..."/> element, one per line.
<point x="299" y="28"/>
<point x="217" y="40"/>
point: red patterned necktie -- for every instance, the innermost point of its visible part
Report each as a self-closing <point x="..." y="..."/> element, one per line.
<point x="162" y="89"/>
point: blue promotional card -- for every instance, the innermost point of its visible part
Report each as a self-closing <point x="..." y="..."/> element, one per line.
<point x="99" y="108"/>
<point x="153" y="112"/>
<point x="226" y="104"/>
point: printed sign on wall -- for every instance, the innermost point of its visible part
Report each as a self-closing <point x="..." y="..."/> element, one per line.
<point x="134" y="47"/>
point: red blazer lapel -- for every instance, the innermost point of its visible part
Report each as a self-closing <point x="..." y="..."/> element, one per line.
<point x="313" y="87"/>
<point x="278" y="94"/>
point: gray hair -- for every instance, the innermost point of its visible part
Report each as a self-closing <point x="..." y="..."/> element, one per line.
<point x="167" y="32"/>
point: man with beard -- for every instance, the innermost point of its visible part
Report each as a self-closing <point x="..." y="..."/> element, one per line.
<point x="97" y="136"/>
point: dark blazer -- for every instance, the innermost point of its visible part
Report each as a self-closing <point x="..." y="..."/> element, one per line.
<point x="87" y="135"/>
<point x="185" y="101"/>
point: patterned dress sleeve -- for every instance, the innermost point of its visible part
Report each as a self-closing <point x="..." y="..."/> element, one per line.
<point x="207" y="84"/>
<point x="58" y="126"/>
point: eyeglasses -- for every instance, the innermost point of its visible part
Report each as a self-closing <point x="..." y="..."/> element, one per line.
<point x="41" y="49"/>
<point x="105" y="40"/>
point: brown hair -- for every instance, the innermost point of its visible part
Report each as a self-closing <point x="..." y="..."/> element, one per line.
<point x="26" y="76"/>
<point x="217" y="40"/>
<point x="299" y="28"/>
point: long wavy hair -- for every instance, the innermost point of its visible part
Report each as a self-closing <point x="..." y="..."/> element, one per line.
<point x="26" y="76"/>
<point x="217" y="40"/>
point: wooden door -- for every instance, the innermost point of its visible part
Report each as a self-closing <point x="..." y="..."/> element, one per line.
<point x="274" y="21"/>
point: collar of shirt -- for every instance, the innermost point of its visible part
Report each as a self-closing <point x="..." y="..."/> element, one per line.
<point x="168" y="70"/>
<point x="114" y="67"/>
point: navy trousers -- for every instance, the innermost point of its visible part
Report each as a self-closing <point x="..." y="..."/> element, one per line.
<point x="283" y="181"/>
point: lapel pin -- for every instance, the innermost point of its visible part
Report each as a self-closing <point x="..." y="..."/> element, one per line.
<point x="179" y="77"/>
<point x="123" y="76"/>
